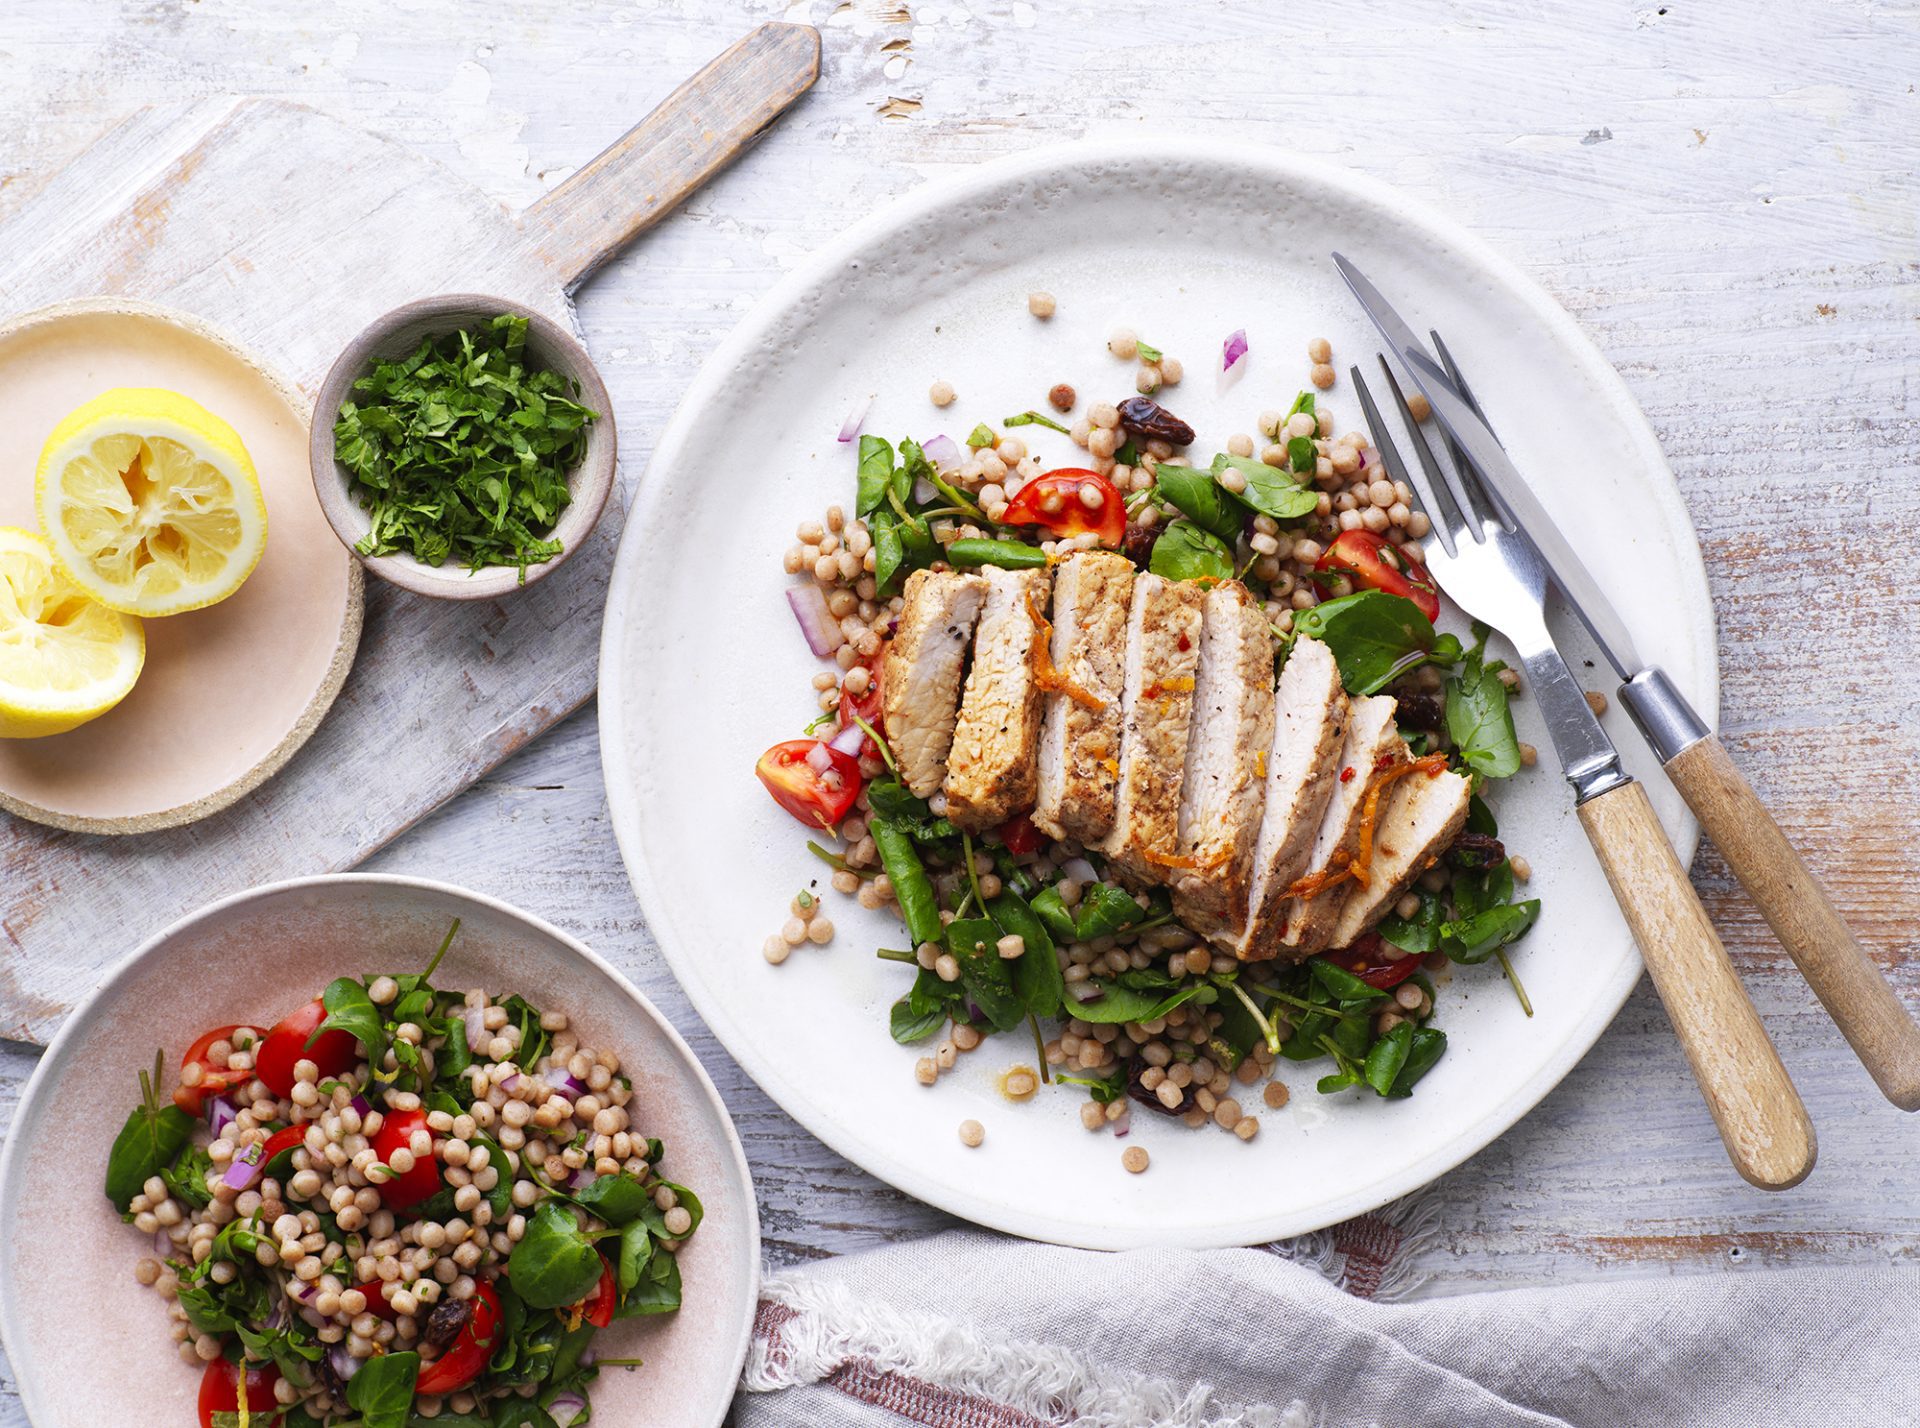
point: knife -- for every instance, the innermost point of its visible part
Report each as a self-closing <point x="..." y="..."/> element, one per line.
<point x="1841" y="972"/>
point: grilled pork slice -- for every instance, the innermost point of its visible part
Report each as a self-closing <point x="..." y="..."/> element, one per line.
<point x="1373" y="745"/>
<point x="920" y="683"/>
<point x="1221" y="791"/>
<point x="1309" y="730"/>
<point x="995" y="762"/>
<point x="1419" y="818"/>
<point x="1079" y="743"/>
<point x="1162" y="660"/>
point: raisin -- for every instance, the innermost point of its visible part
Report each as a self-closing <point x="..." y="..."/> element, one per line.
<point x="1422" y="711"/>
<point x="1137" y="1068"/>
<point x="1147" y="419"/>
<point x="446" y="1321"/>
<point x="1476" y="850"/>
<point x="1138" y="546"/>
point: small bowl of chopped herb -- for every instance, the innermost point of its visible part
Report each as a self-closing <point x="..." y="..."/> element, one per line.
<point x="462" y="446"/>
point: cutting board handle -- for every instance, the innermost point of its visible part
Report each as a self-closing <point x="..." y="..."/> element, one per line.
<point x="695" y="132"/>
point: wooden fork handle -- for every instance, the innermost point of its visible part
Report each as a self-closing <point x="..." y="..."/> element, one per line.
<point x="1767" y="1133"/>
<point x="1841" y="973"/>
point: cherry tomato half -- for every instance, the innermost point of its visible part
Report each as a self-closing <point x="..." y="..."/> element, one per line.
<point x="819" y="798"/>
<point x="867" y="706"/>
<point x="1020" y="836"/>
<point x="220" y="1390"/>
<point x="334" y="1052"/>
<point x="1358" y="554"/>
<point x="467" y="1355"/>
<point x="597" y="1308"/>
<point x="422" y="1182"/>
<point x="1070" y="502"/>
<point x="280" y="1148"/>
<point x="193" y="1099"/>
<point x="1367" y="959"/>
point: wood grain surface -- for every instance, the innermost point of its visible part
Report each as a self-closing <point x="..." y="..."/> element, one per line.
<point x="1841" y="972"/>
<point x="1747" y="1090"/>
<point x="1723" y="195"/>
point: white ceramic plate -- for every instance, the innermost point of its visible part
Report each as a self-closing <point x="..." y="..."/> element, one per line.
<point x="253" y="956"/>
<point x="702" y="667"/>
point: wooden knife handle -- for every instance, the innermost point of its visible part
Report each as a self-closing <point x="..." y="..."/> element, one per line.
<point x="1848" y="983"/>
<point x="694" y="133"/>
<point x="1761" y="1119"/>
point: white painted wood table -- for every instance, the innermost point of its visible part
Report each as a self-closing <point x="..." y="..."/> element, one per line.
<point x="1725" y="196"/>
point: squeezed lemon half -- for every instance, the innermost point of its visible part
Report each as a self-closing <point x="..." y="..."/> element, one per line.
<point x="150" y="502"/>
<point x="64" y="659"/>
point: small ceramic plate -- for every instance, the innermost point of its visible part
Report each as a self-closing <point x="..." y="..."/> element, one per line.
<point x="229" y="692"/>
<point x="249" y="958"/>
<point x="702" y="666"/>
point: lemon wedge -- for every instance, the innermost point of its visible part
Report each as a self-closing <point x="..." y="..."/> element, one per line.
<point x="150" y="502"/>
<point x="63" y="658"/>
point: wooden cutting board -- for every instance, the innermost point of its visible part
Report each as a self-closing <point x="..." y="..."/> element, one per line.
<point x="292" y="231"/>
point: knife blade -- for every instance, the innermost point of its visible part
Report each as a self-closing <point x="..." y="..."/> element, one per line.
<point x="1569" y="574"/>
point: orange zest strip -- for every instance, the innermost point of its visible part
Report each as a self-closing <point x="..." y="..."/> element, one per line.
<point x="1169" y="860"/>
<point x="1357" y="865"/>
<point x="1044" y="674"/>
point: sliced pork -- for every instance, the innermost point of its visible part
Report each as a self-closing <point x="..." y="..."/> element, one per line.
<point x="1309" y="731"/>
<point x="993" y="769"/>
<point x="1080" y="732"/>
<point x="1372" y="746"/>
<point x="1162" y="661"/>
<point x="920" y="683"/>
<point x="1227" y="747"/>
<point x="1419" y="817"/>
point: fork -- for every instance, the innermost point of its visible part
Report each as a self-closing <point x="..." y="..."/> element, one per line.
<point x="1489" y="567"/>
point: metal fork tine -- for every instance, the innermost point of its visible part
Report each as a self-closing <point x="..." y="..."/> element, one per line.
<point x="1437" y="503"/>
<point x="1466" y="516"/>
<point x="1489" y="499"/>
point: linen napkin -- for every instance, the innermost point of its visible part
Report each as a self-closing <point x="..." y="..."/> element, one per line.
<point x="970" y="1330"/>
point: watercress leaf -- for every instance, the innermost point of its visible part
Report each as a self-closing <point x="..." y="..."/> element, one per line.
<point x="1302" y="403"/>
<point x="1446" y="650"/>
<point x="555" y="1263"/>
<point x="1104" y="1090"/>
<point x="148" y="1143"/>
<point x="1301" y="455"/>
<point x="1480" y="818"/>
<point x="1104" y="910"/>
<point x="1270" y="490"/>
<point x="658" y="1290"/>
<point x="908" y="1024"/>
<point x="617" y="1199"/>
<point x="1474" y="939"/>
<point x="1374" y="637"/>
<point x="1051" y="910"/>
<point x="1036" y="419"/>
<point x="889" y="556"/>
<point x="876" y="474"/>
<point x="1199" y="497"/>
<point x="981" y="435"/>
<point x="656" y="1218"/>
<point x="1239" y="1029"/>
<point x="1118" y="1005"/>
<point x="1340" y="984"/>
<point x="1036" y="972"/>
<point x="1480" y="721"/>
<point x="984" y="972"/>
<point x="1419" y="933"/>
<point x="1183" y="551"/>
<point x="382" y="1389"/>
<point x="514" y="1413"/>
<point x="890" y="797"/>
<point x="1429" y="1043"/>
<point x="1149" y="354"/>
<point x="1387" y="1057"/>
<point x="351" y="1010"/>
<point x="636" y="1248"/>
<point x="1337" y="1081"/>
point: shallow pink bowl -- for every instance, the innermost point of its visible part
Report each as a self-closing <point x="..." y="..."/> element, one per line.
<point x="90" y="1346"/>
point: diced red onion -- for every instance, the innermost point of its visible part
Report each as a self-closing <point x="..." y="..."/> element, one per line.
<point x="944" y="452"/>
<point x="809" y="604"/>
<point x="303" y="1290"/>
<point x="582" y="1178"/>
<point x="362" y="1107"/>
<point x="570" y="1086"/>
<point x="220" y="1114"/>
<point x="1084" y="991"/>
<point x="344" y="1363"/>
<point x="1080" y="870"/>
<point x="163" y="1245"/>
<point x="477" y="1034"/>
<point x="565" y="1408"/>
<point x="819" y="758"/>
<point x="511" y="1081"/>
<point x="857" y="418"/>
<point x="1121" y="1127"/>
<point x="924" y="491"/>
<point x="1234" y="350"/>
<point x="849" y="741"/>
<point x="244" y="1173"/>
